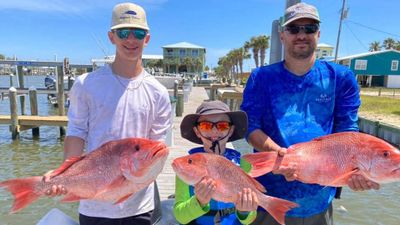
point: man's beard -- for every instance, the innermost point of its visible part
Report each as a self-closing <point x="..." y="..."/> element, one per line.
<point x="302" y="54"/>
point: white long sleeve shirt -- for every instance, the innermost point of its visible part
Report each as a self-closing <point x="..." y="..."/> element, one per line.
<point x="105" y="107"/>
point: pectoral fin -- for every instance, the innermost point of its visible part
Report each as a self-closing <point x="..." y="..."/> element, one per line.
<point x="343" y="178"/>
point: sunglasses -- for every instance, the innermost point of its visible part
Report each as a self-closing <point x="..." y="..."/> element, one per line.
<point x="308" y="28"/>
<point x="208" y="126"/>
<point x="123" y="33"/>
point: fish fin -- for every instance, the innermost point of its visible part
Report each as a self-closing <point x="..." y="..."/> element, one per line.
<point x="276" y="207"/>
<point x="71" y="198"/>
<point x="23" y="191"/>
<point x="123" y="199"/>
<point x="65" y="165"/>
<point x="343" y="178"/>
<point x="260" y="162"/>
<point x="116" y="183"/>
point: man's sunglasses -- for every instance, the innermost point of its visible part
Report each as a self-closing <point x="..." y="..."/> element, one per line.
<point x="123" y="33"/>
<point x="308" y="28"/>
<point x="208" y="126"/>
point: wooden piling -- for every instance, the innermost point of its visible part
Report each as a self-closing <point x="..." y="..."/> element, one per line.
<point x="14" y="127"/>
<point x="21" y="85"/>
<point x="176" y="84"/>
<point x="11" y="80"/>
<point x="179" y="105"/>
<point x="34" y="108"/>
<point x="61" y="95"/>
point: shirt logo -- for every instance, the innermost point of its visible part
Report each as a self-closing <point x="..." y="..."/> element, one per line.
<point x="323" y="98"/>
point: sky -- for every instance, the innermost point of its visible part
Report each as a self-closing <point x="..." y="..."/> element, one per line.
<point x="77" y="29"/>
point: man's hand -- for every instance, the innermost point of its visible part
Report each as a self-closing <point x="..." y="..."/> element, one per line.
<point x="360" y="183"/>
<point x="203" y="190"/>
<point x="55" y="190"/>
<point x="247" y="201"/>
<point x="288" y="171"/>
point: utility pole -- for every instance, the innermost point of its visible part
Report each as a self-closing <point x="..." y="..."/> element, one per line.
<point x="340" y="28"/>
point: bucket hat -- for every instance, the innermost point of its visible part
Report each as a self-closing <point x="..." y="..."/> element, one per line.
<point x="238" y="118"/>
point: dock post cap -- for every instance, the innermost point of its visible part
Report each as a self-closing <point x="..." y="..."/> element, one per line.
<point x="12" y="89"/>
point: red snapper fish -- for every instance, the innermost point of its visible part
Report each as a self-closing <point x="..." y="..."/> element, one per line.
<point x="113" y="172"/>
<point x="330" y="160"/>
<point x="230" y="180"/>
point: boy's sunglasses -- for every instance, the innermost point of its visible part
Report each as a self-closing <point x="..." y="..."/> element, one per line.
<point x="123" y="33"/>
<point x="308" y="28"/>
<point x="208" y="126"/>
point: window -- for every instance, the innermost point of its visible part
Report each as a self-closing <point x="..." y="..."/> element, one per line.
<point x="395" y="65"/>
<point x="195" y="52"/>
<point x="361" y="64"/>
<point x="182" y="52"/>
<point x="169" y="52"/>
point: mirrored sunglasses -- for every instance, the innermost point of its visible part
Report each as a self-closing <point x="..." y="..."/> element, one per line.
<point x="308" y="28"/>
<point x="208" y="125"/>
<point x="123" y="33"/>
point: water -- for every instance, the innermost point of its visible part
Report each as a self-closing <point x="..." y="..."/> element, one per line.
<point x="32" y="157"/>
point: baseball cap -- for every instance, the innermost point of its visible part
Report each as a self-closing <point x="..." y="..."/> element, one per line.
<point x="129" y="15"/>
<point x="299" y="11"/>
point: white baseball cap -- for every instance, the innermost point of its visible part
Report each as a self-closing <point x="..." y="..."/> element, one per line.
<point x="129" y="15"/>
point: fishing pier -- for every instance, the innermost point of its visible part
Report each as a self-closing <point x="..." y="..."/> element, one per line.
<point x="20" y="121"/>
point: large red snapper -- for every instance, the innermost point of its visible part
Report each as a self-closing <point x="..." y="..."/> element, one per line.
<point x="330" y="160"/>
<point x="230" y="180"/>
<point x="113" y="172"/>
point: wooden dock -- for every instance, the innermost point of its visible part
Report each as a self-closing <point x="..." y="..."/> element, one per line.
<point x="36" y="120"/>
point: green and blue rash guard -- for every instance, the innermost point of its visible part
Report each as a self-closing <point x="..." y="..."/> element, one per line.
<point x="188" y="209"/>
<point x="292" y="109"/>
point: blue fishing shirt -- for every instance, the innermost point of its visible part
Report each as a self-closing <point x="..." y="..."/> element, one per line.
<point x="292" y="109"/>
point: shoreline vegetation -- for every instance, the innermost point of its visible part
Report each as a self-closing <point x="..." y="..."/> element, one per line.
<point x="381" y="104"/>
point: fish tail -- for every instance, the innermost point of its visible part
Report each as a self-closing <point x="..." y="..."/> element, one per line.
<point x="23" y="191"/>
<point x="258" y="163"/>
<point x="276" y="207"/>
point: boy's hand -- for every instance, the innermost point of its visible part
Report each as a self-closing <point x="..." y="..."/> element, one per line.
<point x="203" y="190"/>
<point x="247" y="201"/>
<point x="360" y="183"/>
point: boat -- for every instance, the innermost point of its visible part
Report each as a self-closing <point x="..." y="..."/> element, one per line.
<point x="50" y="83"/>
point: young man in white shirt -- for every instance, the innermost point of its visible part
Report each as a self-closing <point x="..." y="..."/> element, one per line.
<point x="117" y="101"/>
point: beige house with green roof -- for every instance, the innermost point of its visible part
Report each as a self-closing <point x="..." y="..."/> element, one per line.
<point x="184" y="57"/>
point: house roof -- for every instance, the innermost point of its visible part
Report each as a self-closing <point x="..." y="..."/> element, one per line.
<point x="323" y="45"/>
<point x="367" y="54"/>
<point x="183" y="45"/>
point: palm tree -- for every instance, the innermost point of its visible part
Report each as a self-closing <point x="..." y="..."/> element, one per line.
<point x="254" y="47"/>
<point x="375" y="46"/>
<point x="389" y="43"/>
<point x="242" y="55"/>
<point x="263" y="44"/>
<point x="397" y="47"/>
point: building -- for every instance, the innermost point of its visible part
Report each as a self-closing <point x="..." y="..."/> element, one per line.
<point x="379" y="68"/>
<point x="323" y="51"/>
<point x="184" y="57"/>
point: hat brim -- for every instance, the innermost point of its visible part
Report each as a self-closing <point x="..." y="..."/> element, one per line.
<point x="238" y="119"/>
<point x="301" y="17"/>
<point x="129" y="25"/>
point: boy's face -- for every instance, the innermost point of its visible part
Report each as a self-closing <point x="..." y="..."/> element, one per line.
<point x="129" y="47"/>
<point x="214" y="131"/>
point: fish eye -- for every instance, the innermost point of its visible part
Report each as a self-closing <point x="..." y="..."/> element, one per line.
<point x="386" y="154"/>
<point x="137" y="147"/>
<point x="190" y="161"/>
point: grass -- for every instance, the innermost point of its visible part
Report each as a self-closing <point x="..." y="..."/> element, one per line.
<point x="381" y="105"/>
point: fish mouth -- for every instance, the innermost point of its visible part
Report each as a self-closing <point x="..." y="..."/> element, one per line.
<point x="159" y="150"/>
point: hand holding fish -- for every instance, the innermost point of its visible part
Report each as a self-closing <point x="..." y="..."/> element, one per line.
<point x="204" y="190"/>
<point x="247" y="201"/>
<point x="55" y="190"/>
<point x="360" y="183"/>
<point x="289" y="172"/>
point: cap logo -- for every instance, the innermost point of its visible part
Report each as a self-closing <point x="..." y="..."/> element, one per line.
<point x="127" y="14"/>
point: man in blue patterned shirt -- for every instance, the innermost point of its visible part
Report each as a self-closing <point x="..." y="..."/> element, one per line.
<point x="296" y="100"/>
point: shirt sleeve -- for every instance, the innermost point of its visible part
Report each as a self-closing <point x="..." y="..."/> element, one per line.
<point x="347" y="103"/>
<point x="252" y="103"/>
<point x="162" y="121"/>
<point x="186" y="207"/>
<point x="78" y="111"/>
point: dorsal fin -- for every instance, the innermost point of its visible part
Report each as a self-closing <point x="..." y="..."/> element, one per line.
<point x="65" y="165"/>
